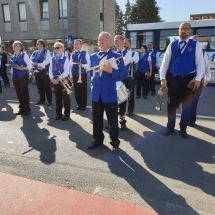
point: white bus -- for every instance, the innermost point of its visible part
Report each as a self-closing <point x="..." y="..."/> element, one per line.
<point x="162" y="33"/>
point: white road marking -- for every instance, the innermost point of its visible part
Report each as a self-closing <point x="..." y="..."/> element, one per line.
<point x="200" y="117"/>
<point x="15" y="101"/>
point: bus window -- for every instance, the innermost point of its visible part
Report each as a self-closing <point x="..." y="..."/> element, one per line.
<point x="144" y="38"/>
<point x="133" y="38"/>
<point x="168" y="36"/>
<point x="207" y="38"/>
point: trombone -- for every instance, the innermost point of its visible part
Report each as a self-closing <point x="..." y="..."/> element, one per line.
<point x="99" y="66"/>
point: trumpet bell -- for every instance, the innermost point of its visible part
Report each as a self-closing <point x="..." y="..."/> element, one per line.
<point x="79" y="81"/>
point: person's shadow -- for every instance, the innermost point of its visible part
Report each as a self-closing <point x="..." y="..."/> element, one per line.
<point x="6" y="111"/>
<point x="151" y="189"/>
<point x="38" y="139"/>
<point x="176" y="158"/>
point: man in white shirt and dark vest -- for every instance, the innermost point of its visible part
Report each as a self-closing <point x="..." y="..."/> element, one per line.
<point x="132" y="71"/>
<point x="155" y="66"/>
<point x="182" y="65"/>
<point x="127" y="55"/>
<point x="79" y="58"/>
<point x="196" y="94"/>
<point x="40" y="60"/>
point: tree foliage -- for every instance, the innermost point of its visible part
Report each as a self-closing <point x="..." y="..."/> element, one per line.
<point x="142" y="11"/>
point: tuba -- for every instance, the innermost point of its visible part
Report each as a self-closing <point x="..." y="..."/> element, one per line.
<point x="161" y="93"/>
<point x="65" y="84"/>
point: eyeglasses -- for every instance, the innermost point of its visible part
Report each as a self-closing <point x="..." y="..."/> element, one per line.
<point x="57" y="48"/>
<point x="38" y="44"/>
<point x="184" y="29"/>
<point x="149" y="44"/>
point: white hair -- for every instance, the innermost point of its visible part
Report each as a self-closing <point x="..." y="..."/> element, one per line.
<point x="107" y="34"/>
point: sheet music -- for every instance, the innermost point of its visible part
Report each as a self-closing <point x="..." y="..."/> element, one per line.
<point x="112" y="62"/>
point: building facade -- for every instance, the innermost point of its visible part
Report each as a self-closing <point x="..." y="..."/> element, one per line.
<point x="29" y="20"/>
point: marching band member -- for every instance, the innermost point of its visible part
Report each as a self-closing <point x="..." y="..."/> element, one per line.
<point x="104" y="94"/>
<point x="197" y="93"/>
<point x="155" y="66"/>
<point x="127" y="56"/>
<point x="59" y="65"/>
<point x="185" y="58"/>
<point x="132" y="72"/>
<point x="21" y="63"/>
<point x="79" y="58"/>
<point x="40" y="60"/>
<point x="65" y="51"/>
<point x="144" y="65"/>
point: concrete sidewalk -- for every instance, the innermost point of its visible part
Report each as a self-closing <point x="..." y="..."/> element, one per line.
<point x="20" y="196"/>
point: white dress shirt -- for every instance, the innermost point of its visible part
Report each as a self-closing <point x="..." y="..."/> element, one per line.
<point x="128" y="56"/>
<point x="157" y="58"/>
<point x="66" y="67"/>
<point x="28" y="61"/>
<point x="87" y="65"/>
<point x="45" y="62"/>
<point x="207" y="67"/>
<point x="199" y="61"/>
<point x="135" y="58"/>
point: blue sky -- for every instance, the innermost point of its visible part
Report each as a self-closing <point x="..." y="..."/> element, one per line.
<point x="175" y="10"/>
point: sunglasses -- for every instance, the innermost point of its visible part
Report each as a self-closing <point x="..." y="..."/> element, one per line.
<point x="57" y="48"/>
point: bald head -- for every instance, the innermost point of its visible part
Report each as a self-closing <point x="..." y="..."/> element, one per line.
<point x="184" y="30"/>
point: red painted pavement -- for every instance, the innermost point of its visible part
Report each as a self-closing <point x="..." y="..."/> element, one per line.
<point x="20" y="196"/>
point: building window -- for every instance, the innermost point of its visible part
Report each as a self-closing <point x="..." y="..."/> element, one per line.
<point x="22" y="12"/>
<point x="101" y="17"/>
<point x="6" y="12"/>
<point x="44" y="10"/>
<point x="64" y="3"/>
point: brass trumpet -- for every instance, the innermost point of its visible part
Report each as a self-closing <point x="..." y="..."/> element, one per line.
<point x="65" y="84"/>
<point x="161" y="93"/>
<point x="79" y="74"/>
<point x="100" y="70"/>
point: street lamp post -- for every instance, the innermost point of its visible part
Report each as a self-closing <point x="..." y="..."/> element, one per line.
<point x="63" y="37"/>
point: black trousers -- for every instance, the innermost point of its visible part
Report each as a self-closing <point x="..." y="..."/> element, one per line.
<point x="152" y="80"/>
<point x="178" y="90"/>
<point x="3" y="73"/>
<point x="195" y="99"/>
<point x="142" y="82"/>
<point x="21" y="87"/>
<point x="122" y="109"/>
<point x="111" y="110"/>
<point x="43" y="85"/>
<point x="62" y="99"/>
<point x="81" y="90"/>
<point x="131" y="99"/>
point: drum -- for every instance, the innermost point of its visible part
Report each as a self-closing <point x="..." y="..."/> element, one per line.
<point x="122" y="92"/>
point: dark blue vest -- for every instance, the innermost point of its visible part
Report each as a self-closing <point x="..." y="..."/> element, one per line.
<point x="153" y="57"/>
<point x="58" y="68"/>
<point x="38" y="57"/>
<point x="184" y="64"/>
<point x="143" y="65"/>
<point x="18" y="60"/>
<point x="77" y="59"/>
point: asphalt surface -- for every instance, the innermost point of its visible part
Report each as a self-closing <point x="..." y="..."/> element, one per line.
<point x="166" y="174"/>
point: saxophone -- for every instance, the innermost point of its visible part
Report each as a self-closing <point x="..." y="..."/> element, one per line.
<point x="161" y="93"/>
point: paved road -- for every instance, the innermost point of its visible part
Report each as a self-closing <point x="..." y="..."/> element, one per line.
<point x="166" y="174"/>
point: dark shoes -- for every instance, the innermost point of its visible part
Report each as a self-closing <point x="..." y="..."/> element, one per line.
<point x="20" y="112"/>
<point x="184" y="134"/>
<point x="116" y="150"/>
<point x="83" y="108"/>
<point x="58" y="117"/>
<point x="49" y="104"/>
<point x="192" y="124"/>
<point x="6" y="86"/>
<point x="123" y="125"/>
<point x="65" y="118"/>
<point x="78" y="108"/>
<point x="130" y="114"/>
<point x="137" y="97"/>
<point x="145" y="97"/>
<point x="168" y="132"/>
<point x="26" y="113"/>
<point x="40" y="103"/>
<point x="94" y="144"/>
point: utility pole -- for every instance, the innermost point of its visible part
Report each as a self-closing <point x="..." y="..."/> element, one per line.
<point x="62" y="18"/>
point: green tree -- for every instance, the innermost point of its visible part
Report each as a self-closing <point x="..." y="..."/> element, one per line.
<point x="127" y="15"/>
<point x="119" y="21"/>
<point x="145" y="11"/>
